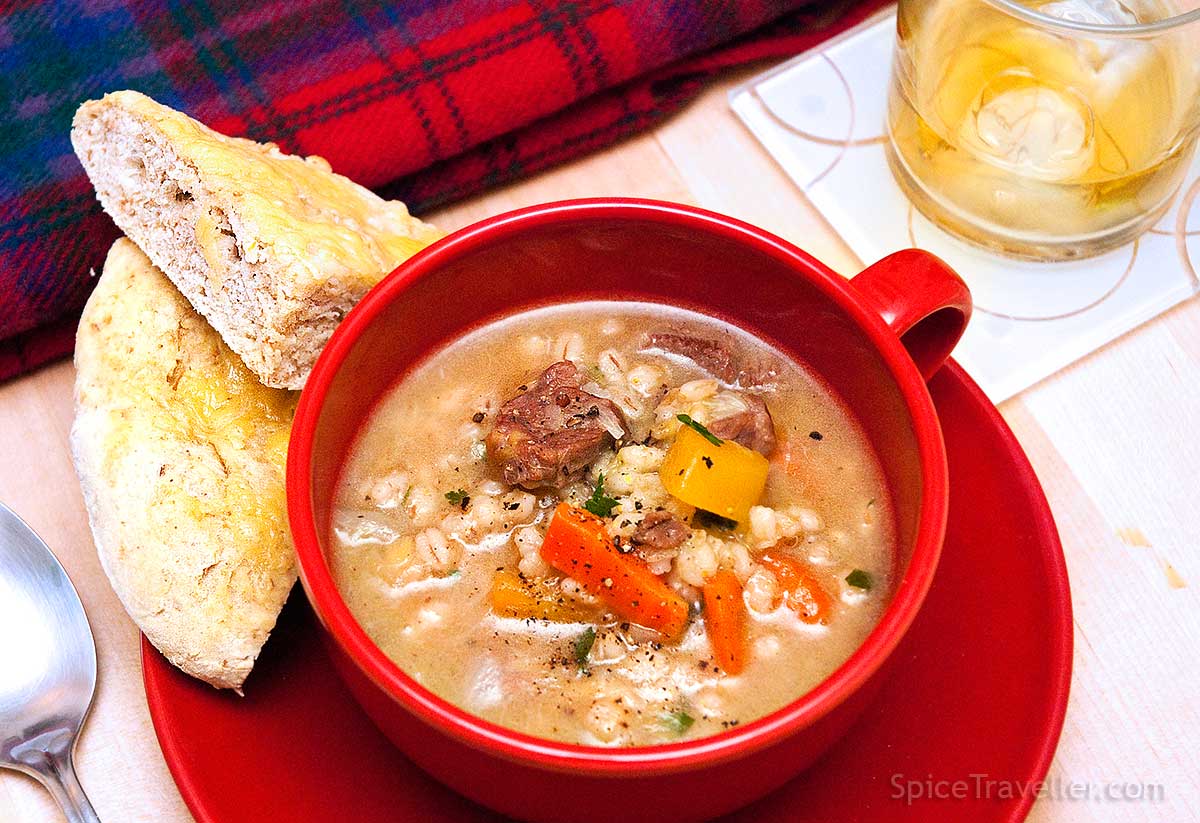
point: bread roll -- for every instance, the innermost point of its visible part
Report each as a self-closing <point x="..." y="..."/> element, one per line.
<point x="180" y="452"/>
<point x="271" y="248"/>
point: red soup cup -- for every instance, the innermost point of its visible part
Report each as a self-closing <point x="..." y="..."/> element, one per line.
<point x="874" y="339"/>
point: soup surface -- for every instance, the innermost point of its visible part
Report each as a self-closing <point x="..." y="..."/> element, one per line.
<point x="613" y="524"/>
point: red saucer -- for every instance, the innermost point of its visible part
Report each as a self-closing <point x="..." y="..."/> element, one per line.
<point x="977" y="692"/>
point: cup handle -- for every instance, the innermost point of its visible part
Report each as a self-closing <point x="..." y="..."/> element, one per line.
<point x="924" y="301"/>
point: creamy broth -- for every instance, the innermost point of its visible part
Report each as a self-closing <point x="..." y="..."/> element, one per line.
<point x="425" y="526"/>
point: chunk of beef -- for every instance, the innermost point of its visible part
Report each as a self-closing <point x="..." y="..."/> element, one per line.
<point x="548" y="434"/>
<point x="753" y="428"/>
<point x="661" y="530"/>
<point x="714" y="357"/>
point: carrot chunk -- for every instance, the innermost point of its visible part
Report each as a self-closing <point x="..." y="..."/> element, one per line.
<point x="515" y="596"/>
<point x="725" y="618"/>
<point x="577" y="544"/>
<point x="801" y="590"/>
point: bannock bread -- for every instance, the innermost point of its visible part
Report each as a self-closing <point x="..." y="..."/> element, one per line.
<point x="180" y="453"/>
<point x="273" y="249"/>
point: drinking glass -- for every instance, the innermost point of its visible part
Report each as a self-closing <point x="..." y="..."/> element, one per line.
<point x="1046" y="129"/>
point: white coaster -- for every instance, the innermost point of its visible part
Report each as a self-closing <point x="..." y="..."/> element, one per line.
<point x="821" y="115"/>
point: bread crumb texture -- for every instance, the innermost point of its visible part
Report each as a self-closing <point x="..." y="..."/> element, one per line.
<point x="180" y="453"/>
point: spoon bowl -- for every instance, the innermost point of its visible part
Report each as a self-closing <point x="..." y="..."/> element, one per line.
<point x="48" y="674"/>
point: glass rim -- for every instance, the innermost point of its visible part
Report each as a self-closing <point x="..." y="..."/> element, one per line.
<point x="1125" y="30"/>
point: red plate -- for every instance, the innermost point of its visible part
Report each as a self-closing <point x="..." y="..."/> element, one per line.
<point x="974" y="704"/>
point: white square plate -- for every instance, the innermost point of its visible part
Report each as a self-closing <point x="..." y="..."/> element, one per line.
<point x="821" y="115"/>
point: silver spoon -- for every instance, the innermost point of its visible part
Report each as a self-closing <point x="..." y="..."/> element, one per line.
<point x="47" y="666"/>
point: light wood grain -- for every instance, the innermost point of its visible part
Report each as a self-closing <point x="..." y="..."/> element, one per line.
<point x="1115" y="440"/>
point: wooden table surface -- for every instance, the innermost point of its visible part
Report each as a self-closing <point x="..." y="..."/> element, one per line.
<point x="1115" y="440"/>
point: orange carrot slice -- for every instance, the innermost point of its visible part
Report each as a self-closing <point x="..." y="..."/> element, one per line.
<point x="801" y="590"/>
<point x="577" y="544"/>
<point x="725" y="618"/>
<point x="515" y="596"/>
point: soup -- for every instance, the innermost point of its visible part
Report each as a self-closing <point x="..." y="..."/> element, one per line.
<point x="613" y="523"/>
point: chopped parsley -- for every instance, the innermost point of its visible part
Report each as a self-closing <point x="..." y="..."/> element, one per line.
<point x="699" y="429"/>
<point x="583" y="646"/>
<point x="678" y="722"/>
<point x="599" y="503"/>
<point x="459" y="498"/>
<point x="859" y="579"/>
<point x="708" y="520"/>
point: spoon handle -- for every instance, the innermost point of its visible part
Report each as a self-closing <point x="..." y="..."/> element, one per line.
<point x="59" y="778"/>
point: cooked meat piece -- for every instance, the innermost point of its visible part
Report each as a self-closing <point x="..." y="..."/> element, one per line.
<point x="550" y="433"/>
<point x="753" y="428"/>
<point x="714" y="357"/>
<point x="661" y="530"/>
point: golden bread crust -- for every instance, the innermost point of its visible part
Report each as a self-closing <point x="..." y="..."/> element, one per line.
<point x="180" y="453"/>
<point x="273" y="249"/>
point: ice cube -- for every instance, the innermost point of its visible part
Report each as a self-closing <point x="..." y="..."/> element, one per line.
<point x="1035" y="130"/>
<point x="1097" y="52"/>
<point x="1096" y="12"/>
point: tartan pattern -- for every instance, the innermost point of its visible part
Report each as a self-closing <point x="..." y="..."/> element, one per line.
<point x="426" y="100"/>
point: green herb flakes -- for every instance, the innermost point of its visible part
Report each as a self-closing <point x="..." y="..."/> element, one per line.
<point x="701" y="430"/>
<point x="859" y="579"/>
<point x="583" y="646"/>
<point x="678" y="722"/>
<point x="599" y="503"/>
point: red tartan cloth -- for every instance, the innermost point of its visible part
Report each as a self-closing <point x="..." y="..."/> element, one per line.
<point x="424" y="101"/>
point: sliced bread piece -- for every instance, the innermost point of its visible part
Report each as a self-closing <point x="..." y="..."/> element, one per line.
<point x="273" y="249"/>
<point x="180" y="453"/>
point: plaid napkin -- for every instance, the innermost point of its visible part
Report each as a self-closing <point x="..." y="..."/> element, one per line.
<point x="424" y="101"/>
